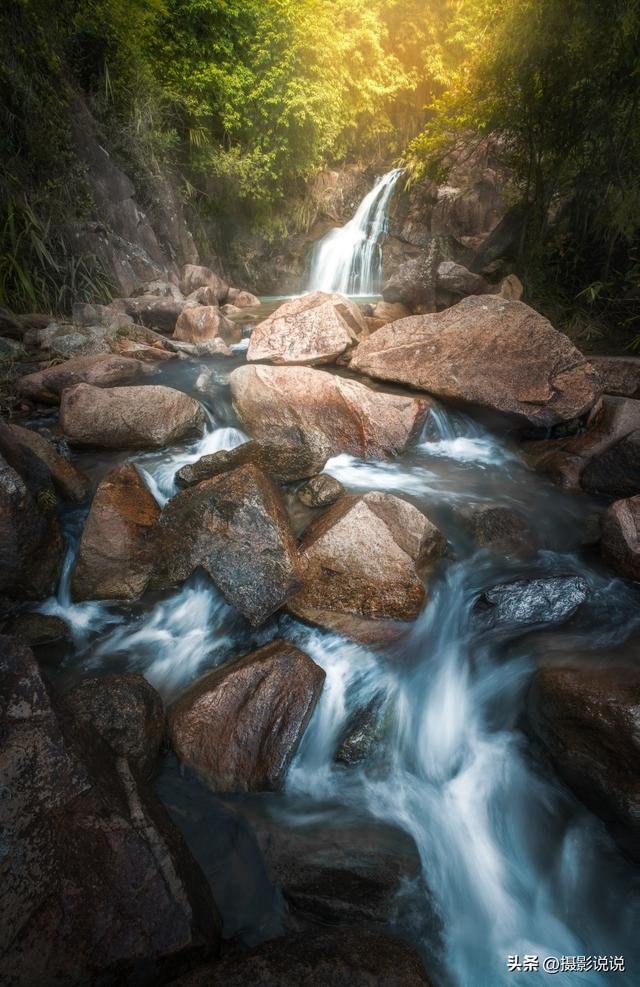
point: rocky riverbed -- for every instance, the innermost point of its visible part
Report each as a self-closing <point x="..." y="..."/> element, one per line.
<point x="320" y="639"/>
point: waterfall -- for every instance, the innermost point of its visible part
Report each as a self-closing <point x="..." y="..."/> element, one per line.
<point x="349" y="259"/>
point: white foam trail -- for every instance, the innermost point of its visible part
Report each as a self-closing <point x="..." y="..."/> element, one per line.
<point x="468" y="450"/>
<point x="159" y="472"/>
<point x="348" y="259"/>
<point x="175" y="640"/>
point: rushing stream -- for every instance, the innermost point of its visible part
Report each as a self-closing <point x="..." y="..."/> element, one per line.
<point x="512" y="863"/>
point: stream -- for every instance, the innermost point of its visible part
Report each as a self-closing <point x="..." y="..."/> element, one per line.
<point x="511" y="862"/>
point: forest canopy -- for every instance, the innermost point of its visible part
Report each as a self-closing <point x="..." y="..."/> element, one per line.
<point x="261" y="94"/>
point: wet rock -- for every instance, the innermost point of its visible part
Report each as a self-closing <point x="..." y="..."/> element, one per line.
<point x="129" y="417"/>
<point x="348" y="310"/>
<point x="621" y="537"/>
<point x="240" y="725"/>
<point x="500" y="529"/>
<point x="363" y="734"/>
<point x="566" y="460"/>
<point x="97" y="884"/>
<point x="126" y="712"/>
<point x="236" y="528"/>
<point x="587" y="719"/>
<point x="118" y="550"/>
<point x="241" y="298"/>
<point x="195" y="276"/>
<point x="329" y="414"/>
<point x="285" y="462"/>
<point x="214" y="347"/>
<point x="615" y="472"/>
<point x="619" y="374"/>
<point x="320" y="491"/>
<point x="359" y="560"/>
<point x="339" y="958"/>
<point x="348" y="874"/>
<point x="488" y="352"/>
<point x="548" y="601"/>
<point x="310" y="330"/>
<point x="104" y="370"/>
<point x="68" y="482"/>
<point x="37" y="629"/>
<point x="30" y="535"/>
<point x="206" y="322"/>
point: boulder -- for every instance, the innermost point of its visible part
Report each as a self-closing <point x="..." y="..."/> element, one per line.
<point x="118" y="550"/>
<point x="285" y="462"/>
<point x="587" y="720"/>
<point x="97" y="885"/>
<point x="68" y="482"/>
<point x="349" y="311"/>
<point x="214" y="347"/>
<point x="206" y="322"/>
<point x="487" y="352"/>
<point x="239" y="726"/>
<point x="126" y="712"/>
<point x="104" y="370"/>
<point x="618" y="374"/>
<point x="301" y="332"/>
<point x="457" y="280"/>
<point x="65" y="341"/>
<point x="621" y="537"/>
<point x="195" y="276"/>
<point x="235" y="527"/>
<point x="160" y="287"/>
<point x="547" y="601"/>
<point x="413" y="285"/>
<point x="155" y="311"/>
<point x="615" y="472"/>
<point x="385" y="312"/>
<point x="604" y="443"/>
<point x="512" y="289"/>
<point x="320" y="491"/>
<point x="331" y="958"/>
<point x="241" y="298"/>
<point x="363" y="734"/>
<point x="204" y="296"/>
<point x="348" y="874"/>
<point x="360" y="562"/>
<point x="112" y="316"/>
<point x="129" y="417"/>
<point x="30" y="534"/>
<point x="37" y="629"/>
<point x="329" y="414"/>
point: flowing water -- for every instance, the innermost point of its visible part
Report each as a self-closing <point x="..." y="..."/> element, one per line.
<point x="511" y="862"/>
<point x="349" y="258"/>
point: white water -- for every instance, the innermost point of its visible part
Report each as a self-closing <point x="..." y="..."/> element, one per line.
<point x="349" y="259"/>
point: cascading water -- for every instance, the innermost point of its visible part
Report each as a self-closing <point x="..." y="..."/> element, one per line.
<point x="511" y="862"/>
<point x="349" y="259"/>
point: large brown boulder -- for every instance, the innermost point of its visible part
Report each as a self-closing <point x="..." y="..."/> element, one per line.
<point x="126" y="712"/>
<point x="194" y="276"/>
<point x="241" y="298"/>
<point x="235" y="527"/>
<point x="203" y="323"/>
<point x="360" y="563"/>
<point x="103" y="370"/>
<point x="328" y="413"/>
<point x="619" y="374"/>
<point x="97" y="884"/>
<point x="313" y="329"/>
<point x="487" y="352"/>
<point x="456" y="281"/>
<point x="30" y="534"/>
<point x="284" y="461"/>
<point x="240" y="725"/>
<point x="68" y="482"/>
<point x="598" y="459"/>
<point x="621" y="537"/>
<point x="118" y="551"/>
<point x="154" y="311"/>
<point x="328" y="958"/>
<point x="587" y="719"/>
<point x="129" y="417"/>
